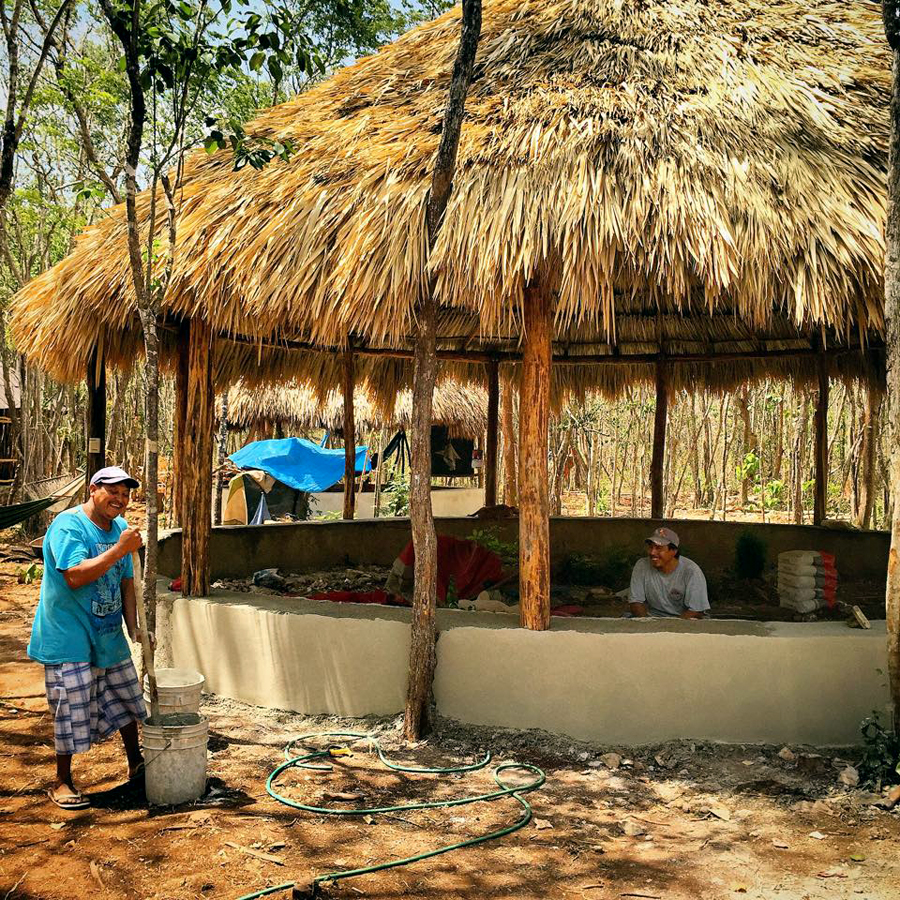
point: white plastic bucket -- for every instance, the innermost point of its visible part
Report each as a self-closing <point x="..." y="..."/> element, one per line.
<point x="175" y="758"/>
<point x="178" y="689"/>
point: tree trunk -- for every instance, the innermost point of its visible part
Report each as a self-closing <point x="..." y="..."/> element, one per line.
<point x="820" y="506"/>
<point x="220" y="462"/>
<point x="891" y="10"/>
<point x="180" y="421"/>
<point x="489" y="463"/>
<point x="510" y="478"/>
<point x="349" y="437"/>
<point x="534" y="425"/>
<point x="747" y="444"/>
<point x="657" y="462"/>
<point x="197" y="463"/>
<point x="866" y="480"/>
<point x="95" y="410"/>
<point x="423" y="634"/>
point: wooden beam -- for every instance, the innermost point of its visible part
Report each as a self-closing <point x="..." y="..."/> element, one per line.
<point x="95" y="416"/>
<point x="197" y="463"/>
<point x="349" y="437"/>
<point x="613" y="357"/>
<point x="182" y="345"/>
<point x="534" y="432"/>
<point x="510" y="479"/>
<point x="493" y="434"/>
<point x="820" y="506"/>
<point x="658" y="460"/>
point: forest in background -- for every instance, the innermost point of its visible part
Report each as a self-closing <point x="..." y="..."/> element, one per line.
<point x="745" y="454"/>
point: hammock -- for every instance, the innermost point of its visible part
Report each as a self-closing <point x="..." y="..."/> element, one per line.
<point x="19" y="512"/>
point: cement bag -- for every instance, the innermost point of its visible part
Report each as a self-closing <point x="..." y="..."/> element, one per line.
<point x="790" y="580"/>
<point x="798" y="595"/>
<point x="800" y="557"/>
<point x="800" y="570"/>
<point x="800" y="606"/>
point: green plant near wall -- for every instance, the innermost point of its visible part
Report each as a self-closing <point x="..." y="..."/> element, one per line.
<point x="610" y="567"/>
<point x="508" y="551"/>
<point x="750" y="553"/>
<point x="397" y="494"/>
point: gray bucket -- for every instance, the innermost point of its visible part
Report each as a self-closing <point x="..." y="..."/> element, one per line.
<point x="175" y="758"/>
<point x="178" y="690"/>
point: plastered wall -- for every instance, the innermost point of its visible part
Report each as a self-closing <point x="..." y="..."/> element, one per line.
<point x="238" y="551"/>
<point x="610" y="681"/>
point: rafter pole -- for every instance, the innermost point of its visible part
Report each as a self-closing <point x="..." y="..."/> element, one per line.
<point x="95" y="416"/>
<point x="820" y="505"/>
<point x="658" y="460"/>
<point x="493" y="434"/>
<point x="349" y="437"/>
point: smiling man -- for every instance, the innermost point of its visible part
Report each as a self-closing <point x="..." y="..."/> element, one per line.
<point x="665" y="583"/>
<point x="86" y="591"/>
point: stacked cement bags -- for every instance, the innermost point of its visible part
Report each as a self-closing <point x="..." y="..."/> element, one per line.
<point x="807" y="580"/>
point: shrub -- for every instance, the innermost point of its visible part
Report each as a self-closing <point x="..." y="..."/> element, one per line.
<point x="881" y="756"/>
<point x="508" y="551"/>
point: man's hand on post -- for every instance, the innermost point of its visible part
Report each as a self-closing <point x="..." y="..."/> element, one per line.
<point x="130" y="540"/>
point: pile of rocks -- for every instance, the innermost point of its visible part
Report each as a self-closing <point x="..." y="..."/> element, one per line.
<point x="807" y="580"/>
<point x="277" y="581"/>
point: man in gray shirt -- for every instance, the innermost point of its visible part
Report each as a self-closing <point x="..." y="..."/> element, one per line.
<point x="665" y="583"/>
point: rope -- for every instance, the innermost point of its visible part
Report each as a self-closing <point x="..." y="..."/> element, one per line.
<point x="304" y="762"/>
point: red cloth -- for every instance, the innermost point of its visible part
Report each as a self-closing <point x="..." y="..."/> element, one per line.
<point x="567" y="610"/>
<point x="380" y="597"/>
<point x="470" y="565"/>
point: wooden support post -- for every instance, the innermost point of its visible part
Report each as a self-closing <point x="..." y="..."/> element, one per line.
<point x="658" y="460"/>
<point x="349" y="438"/>
<point x="95" y="416"/>
<point x="197" y="463"/>
<point x="891" y="13"/>
<point x="510" y="479"/>
<point x="493" y="434"/>
<point x="181" y="390"/>
<point x="534" y="432"/>
<point x="820" y="508"/>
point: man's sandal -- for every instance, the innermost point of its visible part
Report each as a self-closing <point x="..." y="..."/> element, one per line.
<point x="136" y="773"/>
<point x="76" y="800"/>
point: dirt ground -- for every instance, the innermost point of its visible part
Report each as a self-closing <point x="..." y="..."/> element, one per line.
<point x="677" y="821"/>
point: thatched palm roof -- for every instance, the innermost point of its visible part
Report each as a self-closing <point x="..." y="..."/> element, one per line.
<point x="697" y="176"/>
<point x="463" y="409"/>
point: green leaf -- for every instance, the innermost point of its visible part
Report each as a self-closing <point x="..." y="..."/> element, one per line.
<point x="257" y="60"/>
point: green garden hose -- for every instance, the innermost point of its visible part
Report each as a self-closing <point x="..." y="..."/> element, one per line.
<point x="304" y="762"/>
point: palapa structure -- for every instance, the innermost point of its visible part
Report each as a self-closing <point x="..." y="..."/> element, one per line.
<point x="677" y="190"/>
<point x="461" y="409"/>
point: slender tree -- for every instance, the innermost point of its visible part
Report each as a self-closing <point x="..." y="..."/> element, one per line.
<point x="423" y="637"/>
<point x="891" y="11"/>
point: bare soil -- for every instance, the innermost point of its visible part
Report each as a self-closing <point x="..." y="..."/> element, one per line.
<point x="677" y="821"/>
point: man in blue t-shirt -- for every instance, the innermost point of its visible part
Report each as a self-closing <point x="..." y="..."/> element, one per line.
<point x="86" y="592"/>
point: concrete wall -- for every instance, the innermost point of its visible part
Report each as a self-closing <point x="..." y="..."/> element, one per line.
<point x="237" y="551"/>
<point x="445" y="501"/>
<point x="610" y="681"/>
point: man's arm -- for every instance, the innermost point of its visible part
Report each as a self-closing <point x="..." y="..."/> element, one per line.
<point x="637" y="603"/>
<point x="94" y="568"/>
<point x="129" y="608"/>
<point x="696" y="600"/>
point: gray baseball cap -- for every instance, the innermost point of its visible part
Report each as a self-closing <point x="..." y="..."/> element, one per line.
<point x="114" y="475"/>
<point x="663" y="537"/>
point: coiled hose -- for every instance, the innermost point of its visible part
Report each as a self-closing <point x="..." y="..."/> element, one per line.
<point x="304" y="762"/>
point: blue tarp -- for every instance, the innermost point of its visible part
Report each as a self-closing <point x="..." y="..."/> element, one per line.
<point x="298" y="463"/>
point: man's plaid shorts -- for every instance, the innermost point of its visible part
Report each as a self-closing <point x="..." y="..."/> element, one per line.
<point x="89" y="704"/>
